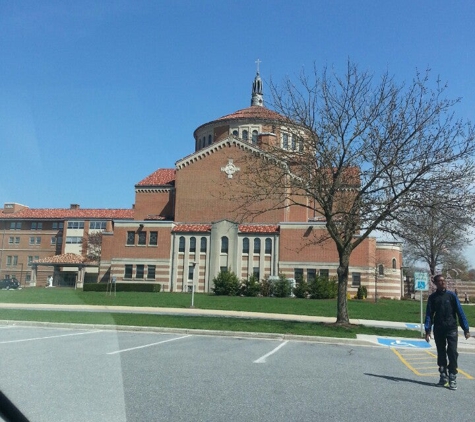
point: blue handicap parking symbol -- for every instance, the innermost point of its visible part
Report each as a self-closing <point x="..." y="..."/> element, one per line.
<point x="413" y="326"/>
<point x="421" y="285"/>
<point x="392" y="342"/>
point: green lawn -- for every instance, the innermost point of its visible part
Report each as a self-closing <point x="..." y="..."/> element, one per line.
<point x="386" y="310"/>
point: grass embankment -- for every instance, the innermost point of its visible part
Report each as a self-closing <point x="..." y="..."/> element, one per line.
<point x="385" y="310"/>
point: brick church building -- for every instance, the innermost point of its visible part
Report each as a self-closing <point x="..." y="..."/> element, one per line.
<point x="183" y="229"/>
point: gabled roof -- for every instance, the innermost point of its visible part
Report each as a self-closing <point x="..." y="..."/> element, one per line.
<point x="160" y="177"/>
<point x="68" y="213"/>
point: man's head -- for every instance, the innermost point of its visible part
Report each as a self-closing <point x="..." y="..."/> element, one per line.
<point x="439" y="281"/>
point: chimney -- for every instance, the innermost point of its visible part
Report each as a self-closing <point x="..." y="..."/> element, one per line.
<point x="74" y="206"/>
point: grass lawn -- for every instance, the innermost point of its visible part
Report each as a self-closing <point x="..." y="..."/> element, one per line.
<point x="384" y="310"/>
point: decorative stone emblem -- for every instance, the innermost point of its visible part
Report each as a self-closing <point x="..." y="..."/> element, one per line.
<point x="230" y="168"/>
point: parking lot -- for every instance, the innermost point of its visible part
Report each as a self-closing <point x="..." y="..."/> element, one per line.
<point x="97" y="375"/>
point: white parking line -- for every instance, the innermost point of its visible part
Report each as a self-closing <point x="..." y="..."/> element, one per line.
<point x="48" y="337"/>
<point x="147" y="345"/>
<point x="263" y="358"/>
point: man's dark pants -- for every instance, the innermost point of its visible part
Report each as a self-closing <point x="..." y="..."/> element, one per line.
<point x="446" y="343"/>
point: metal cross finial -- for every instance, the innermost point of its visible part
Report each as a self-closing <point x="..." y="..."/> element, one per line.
<point x="257" y="61"/>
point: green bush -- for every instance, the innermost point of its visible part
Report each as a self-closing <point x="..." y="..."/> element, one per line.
<point x="266" y="288"/>
<point x="250" y="287"/>
<point x="301" y="288"/>
<point x="323" y="288"/>
<point x="226" y="283"/>
<point x="362" y="292"/>
<point x="123" y="287"/>
<point x="282" y="287"/>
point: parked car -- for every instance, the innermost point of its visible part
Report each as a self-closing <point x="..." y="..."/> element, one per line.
<point x="9" y="283"/>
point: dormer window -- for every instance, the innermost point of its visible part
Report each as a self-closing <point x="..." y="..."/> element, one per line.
<point x="254" y="137"/>
<point x="245" y="135"/>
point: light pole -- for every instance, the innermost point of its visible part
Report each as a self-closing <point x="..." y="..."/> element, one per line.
<point x="193" y="286"/>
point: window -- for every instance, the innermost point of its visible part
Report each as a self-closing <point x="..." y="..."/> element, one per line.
<point x="311" y="274"/>
<point x="394" y="263"/>
<point x="60" y="240"/>
<point x="142" y="238"/>
<point x="181" y="245"/>
<point x="381" y="269"/>
<point x="30" y="259"/>
<point x="294" y="143"/>
<point x="75" y="240"/>
<point x="33" y="226"/>
<point x="57" y="225"/>
<point x="254" y="137"/>
<point x="285" y="141"/>
<point x="151" y="272"/>
<point x="298" y="273"/>
<point x="38" y="240"/>
<point x="245" y="135"/>
<point x="11" y="240"/>
<point x="139" y="272"/>
<point x="257" y="245"/>
<point x="191" y="272"/>
<point x="235" y="133"/>
<point x="224" y="244"/>
<point x="203" y="245"/>
<point x="130" y="238"/>
<point x="15" y="225"/>
<point x="75" y="224"/>
<point x="98" y="225"/>
<point x="192" y="244"/>
<point x="268" y="246"/>
<point x="53" y="240"/>
<point x="355" y="279"/>
<point x="209" y="139"/>
<point x="153" y="238"/>
<point x="245" y="245"/>
<point x="17" y="240"/>
<point x="325" y="273"/>
<point x="256" y="272"/>
<point x="36" y="226"/>
<point x="32" y="240"/>
<point x="9" y="260"/>
<point x="12" y="260"/>
<point x="128" y="271"/>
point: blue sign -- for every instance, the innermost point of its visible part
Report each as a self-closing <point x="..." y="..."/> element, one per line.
<point x="421" y="281"/>
<point x="392" y="342"/>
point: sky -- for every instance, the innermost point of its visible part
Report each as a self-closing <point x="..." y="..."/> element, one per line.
<point x="96" y="95"/>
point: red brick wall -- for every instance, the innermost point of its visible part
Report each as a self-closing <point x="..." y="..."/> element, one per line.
<point x="155" y="203"/>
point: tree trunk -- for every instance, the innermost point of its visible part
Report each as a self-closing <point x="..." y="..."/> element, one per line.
<point x="342" y="302"/>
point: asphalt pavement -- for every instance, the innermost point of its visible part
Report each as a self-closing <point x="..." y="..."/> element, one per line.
<point x="464" y="345"/>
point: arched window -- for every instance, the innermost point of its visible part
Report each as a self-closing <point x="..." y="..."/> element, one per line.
<point x="209" y="139"/>
<point x="394" y="263"/>
<point x="245" y="135"/>
<point x="254" y="137"/>
<point x="294" y="144"/>
<point x="245" y="245"/>
<point x="235" y="132"/>
<point x="224" y="244"/>
<point x="268" y="246"/>
<point x="381" y="269"/>
<point x="203" y="245"/>
<point x="181" y="245"/>
<point x="257" y="245"/>
<point x="193" y="244"/>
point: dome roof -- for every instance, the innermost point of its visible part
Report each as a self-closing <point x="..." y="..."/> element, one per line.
<point x="254" y="112"/>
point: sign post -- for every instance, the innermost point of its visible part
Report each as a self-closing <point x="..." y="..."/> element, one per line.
<point x="421" y="284"/>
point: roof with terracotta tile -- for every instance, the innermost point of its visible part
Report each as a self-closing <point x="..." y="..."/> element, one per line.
<point x="68" y="213"/>
<point x="200" y="228"/>
<point x="67" y="258"/>
<point x="258" y="228"/>
<point x="160" y="177"/>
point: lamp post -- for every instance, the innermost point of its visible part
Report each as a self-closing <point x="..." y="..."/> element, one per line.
<point x="193" y="286"/>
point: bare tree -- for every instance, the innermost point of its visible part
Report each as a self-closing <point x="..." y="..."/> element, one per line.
<point x="362" y="147"/>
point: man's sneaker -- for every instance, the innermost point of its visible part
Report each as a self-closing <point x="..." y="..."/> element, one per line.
<point x="443" y="380"/>
<point x="452" y="384"/>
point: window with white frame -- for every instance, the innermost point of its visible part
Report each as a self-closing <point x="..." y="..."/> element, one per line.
<point x="75" y="224"/>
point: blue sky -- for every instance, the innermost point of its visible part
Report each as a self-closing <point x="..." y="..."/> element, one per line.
<point x="96" y="95"/>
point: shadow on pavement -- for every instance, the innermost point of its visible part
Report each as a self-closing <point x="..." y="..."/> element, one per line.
<point x="397" y="379"/>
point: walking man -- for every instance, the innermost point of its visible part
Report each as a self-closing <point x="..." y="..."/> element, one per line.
<point x="443" y="309"/>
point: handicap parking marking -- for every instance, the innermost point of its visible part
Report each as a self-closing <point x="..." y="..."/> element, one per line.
<point x="404" y="343"/>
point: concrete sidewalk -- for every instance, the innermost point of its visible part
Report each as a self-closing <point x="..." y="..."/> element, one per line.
<point x="464" y="345"/>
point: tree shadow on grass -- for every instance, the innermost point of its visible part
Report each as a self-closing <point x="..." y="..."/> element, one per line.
<point x="398" y="379"/>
